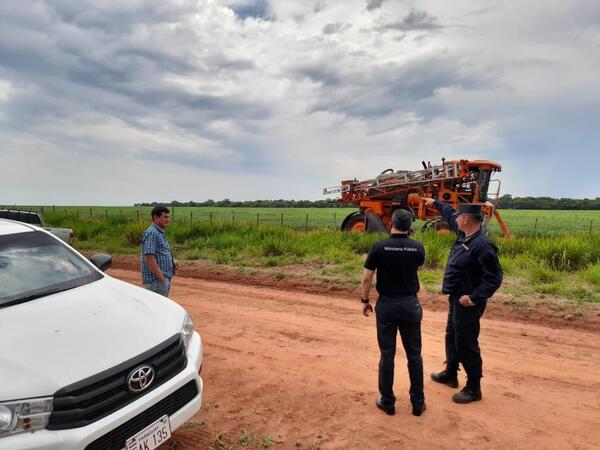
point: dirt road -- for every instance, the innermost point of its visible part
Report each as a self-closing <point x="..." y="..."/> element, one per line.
<point x="302" y="369"/>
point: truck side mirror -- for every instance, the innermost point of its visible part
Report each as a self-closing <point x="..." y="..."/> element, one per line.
<point x="102" y="261"/>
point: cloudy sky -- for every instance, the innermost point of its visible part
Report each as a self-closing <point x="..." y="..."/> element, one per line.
<point x="115" y="102"/>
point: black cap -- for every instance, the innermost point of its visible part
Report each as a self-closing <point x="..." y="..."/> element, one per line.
<point x="402" y="219"/>
<point x="468" y="208"/>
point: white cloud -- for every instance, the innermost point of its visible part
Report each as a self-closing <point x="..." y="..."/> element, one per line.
<point x="277" y="99"/>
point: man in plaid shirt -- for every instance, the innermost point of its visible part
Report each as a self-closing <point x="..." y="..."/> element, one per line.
<point x="158" y="266"/>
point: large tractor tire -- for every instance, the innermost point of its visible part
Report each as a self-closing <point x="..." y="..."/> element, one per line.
<point x="438" y="225"/>
<point x="375" y="224"/>
<point x="355" y="223"/>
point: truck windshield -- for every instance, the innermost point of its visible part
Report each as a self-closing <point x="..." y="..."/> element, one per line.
<point x="33" y="265"/>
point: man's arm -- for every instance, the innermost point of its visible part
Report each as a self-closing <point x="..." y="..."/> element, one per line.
<point x="149" y="245"/>
<point x="153" y="266"/>
<point x="365" y="288"/>
<point x="447" y="212"/>
<point x="491" y="276"/>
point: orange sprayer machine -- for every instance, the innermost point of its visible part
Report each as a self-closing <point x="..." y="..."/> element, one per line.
<point x="452" y="182"/>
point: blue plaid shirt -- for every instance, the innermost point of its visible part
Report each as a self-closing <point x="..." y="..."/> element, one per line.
<point x="154" y="243"/>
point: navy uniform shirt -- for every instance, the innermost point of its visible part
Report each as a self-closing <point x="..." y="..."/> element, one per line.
<point x="473" y="267"/>
<point x="396" y="260"/>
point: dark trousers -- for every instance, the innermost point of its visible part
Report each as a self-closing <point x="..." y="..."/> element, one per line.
<point x="404" y="315"/>
<point x="462" y="345"/>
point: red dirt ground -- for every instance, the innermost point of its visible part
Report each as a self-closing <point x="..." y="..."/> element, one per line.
<point x="302" y="368"/>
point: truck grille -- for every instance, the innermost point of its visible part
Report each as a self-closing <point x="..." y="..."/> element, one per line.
<point x="115" y="439"/>
<point x="93" y="398"/>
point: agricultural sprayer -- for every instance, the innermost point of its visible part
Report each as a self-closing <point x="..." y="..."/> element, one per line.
<point x="452" y="182"/>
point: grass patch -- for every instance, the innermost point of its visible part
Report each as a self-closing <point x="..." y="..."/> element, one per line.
<point x="558" y="265"/>
<point x="592" y="275"/>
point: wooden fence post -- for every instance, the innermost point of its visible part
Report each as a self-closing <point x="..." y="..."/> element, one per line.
<point x="211" y="218"/>
<point x="306" y="223"/>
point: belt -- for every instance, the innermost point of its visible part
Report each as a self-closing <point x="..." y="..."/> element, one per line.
<point x="402" y="298"/>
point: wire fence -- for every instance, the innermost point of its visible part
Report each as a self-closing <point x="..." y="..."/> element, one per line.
<point x="520" y="222"/>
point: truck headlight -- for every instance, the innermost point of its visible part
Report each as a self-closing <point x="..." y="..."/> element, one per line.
<point x="187" y="329"/>
<point x="24" y="415"/>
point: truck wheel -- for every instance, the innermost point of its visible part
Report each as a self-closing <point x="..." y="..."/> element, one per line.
<point x="354" y="223"/>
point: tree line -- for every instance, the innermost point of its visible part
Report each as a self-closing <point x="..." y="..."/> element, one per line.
<point x="509" y="202"/>
<point x="505" y="202"/>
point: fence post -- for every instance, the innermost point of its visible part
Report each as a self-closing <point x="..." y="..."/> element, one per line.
<point x="106" y="214"/>
<point x="591" y="222"/>
<point x="191" y="218"/>
<point x="535" y="226"/>
<point x="233" y="217"/>
<point x="211" y="217"/>
<point x="137" y="213"/>
<point x="282" y="220"/>
<point x="306" y="223"/>
<point x="257" y="219"/>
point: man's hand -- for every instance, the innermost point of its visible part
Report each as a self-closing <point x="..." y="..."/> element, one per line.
<point x="466" y="301"/>
<point x="367" y="309"/>
<point x="428" y="202"/>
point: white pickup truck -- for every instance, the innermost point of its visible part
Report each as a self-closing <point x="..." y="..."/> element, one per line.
<point x="88" y="362"/>
<point x="35" y="218"/>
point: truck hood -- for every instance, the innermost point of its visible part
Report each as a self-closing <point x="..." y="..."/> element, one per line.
<point x="54" y="341"/>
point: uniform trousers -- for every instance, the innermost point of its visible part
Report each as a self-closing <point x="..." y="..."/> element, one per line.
<point x="462" y="339"/>
<point x="401" y="314"/>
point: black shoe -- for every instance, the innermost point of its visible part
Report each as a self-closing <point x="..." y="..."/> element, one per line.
<point x="466" y="396"/>
<point x="389" y="410"/>
<point x="444" y="377"/>
<point x="419" y="409"/>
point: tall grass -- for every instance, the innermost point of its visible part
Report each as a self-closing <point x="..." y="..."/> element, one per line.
<point x="567" y="265"/>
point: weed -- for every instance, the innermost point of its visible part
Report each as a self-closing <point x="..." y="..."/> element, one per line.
<point x="266" y="442"/>
<point x="245" y="438"/>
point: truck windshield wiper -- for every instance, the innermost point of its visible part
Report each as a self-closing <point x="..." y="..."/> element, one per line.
<point x="28" y="298"/>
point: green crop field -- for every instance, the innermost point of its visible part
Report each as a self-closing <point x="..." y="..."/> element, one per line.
<point x="520" y="222"/>
<point x="553" y="254"/>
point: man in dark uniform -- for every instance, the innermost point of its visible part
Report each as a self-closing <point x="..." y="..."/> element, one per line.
<point x="396" y="261"/>
<point x="472" y="275"/>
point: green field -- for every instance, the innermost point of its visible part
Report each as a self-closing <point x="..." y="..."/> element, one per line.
<point x="561" y="262"/>
<point x="553" y="254"/>
<point x="520" y="222"/>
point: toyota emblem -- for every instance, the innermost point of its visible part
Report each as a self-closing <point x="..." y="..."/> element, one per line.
<point x="140" y="379"/>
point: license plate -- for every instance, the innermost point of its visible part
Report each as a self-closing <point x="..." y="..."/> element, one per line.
<point x="150" y="437"/>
